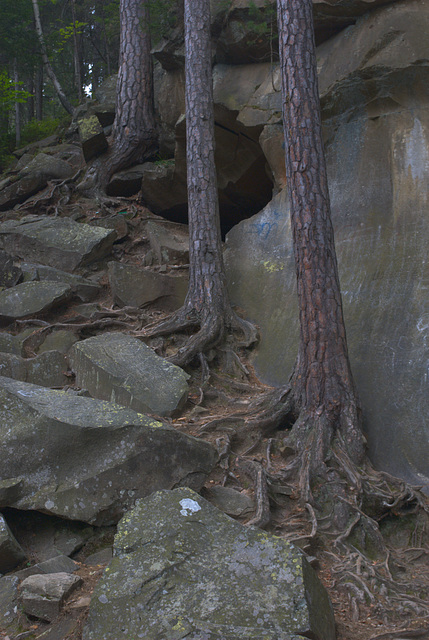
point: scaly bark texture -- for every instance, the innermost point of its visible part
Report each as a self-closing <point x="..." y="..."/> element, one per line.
<point x="324" y="395"/>
<point x="207" y="302"/>
<point x="134" y="135"/>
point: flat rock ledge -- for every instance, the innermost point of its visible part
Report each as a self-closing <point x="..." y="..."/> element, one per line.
<point x="122" y="369"/>
<point x="182" y="569"/>
<point x="56" y="242"/>
<point x="88" y="460"/>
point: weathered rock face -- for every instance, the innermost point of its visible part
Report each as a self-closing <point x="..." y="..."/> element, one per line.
<point x="136" y="287"/>
<point x="32" y="298"/>
<point x="47" y="369"/>
<point x="81" y="287"/>
<point x="105" y="456"/>
<point x="11" y="553"/>
<point x="92" y="137"/>
<point x="56" y="242"/>
<point x="375" y="103"/>
<point x="42" y="596"/>
<point x="181" y="569"/>
<point x="122" y="369"/>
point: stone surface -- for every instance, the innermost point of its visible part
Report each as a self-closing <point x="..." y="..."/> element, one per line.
<point x="105" y="456"/>
<point x="169" y="242"/>
<point x="10" y="274"/>
<point x="135" y="287"/>
<point x="55" y="242"/>
<point x="127" y="182"/>
<point x="47" y="369"/>
<point x="375" y="99"/>
<point x="230" y="501"/>
<point x="82" y="288"/>
<point x="122" y="369"/>
<point x="11" y="553"/>
<point x="58" y="564"/>
<point x="10" y="344"/>
<point x="92" y="137"/>
<point x="61" y="340"/>
<point x="181" y="568"/>
<point x="32" y="298"/>
<point x="42" y="596"/>
<point x="101" y="557"/>
<point x="9" y="614"/>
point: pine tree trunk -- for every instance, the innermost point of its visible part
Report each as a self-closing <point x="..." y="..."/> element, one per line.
<point x="17" y="108"/>
<point x="58" y="89"/>
<point x="322" y="383"/>
<point x="207" y="289"/>
<point x="134" y="133"/>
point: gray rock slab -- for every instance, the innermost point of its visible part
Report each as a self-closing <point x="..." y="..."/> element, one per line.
<point x="135" y="287"/>
<point x="105" y="456"/>
<point x="60" y="340"/>
<point x="11" y="553"/>
<point x="10" y="344"/>
<point x="181" y="568"/>
<point x="100" y="557"/>
<point x="42" y="596"/>
<point x="92" y="137"/>
<point x="32" y="298"/>
<point x="230" y="501"/>
<point x="56" y="242"/>
<point x="83" y="288"/>
<point x="10" y="490"/>
<point x="122" y="369"/>
<point x="47" y="369"/>
<point x="10" y="274"/>
<point x="126" y="183"/>
<point x="169" y="242"/>
<point x="58" y="564"/>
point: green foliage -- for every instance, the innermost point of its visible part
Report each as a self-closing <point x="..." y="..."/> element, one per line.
<point x="10" y="92"/>
<point x="261" y="20"/>
<point x="37" y="130"/>
<point x="163" y="17"/>
<point x="67" y="32"/>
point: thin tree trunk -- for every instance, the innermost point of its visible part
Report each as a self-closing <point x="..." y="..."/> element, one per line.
<point x="134" y="135"/>
<point x="322" y="383"/>
<point x="105" y="40"/>
<point x="58" y="89"/>
<point x="30" y="101"/>
<point x="39" y="92"/>
<point x="77" y="55"/>
<point x="17" y="107"/>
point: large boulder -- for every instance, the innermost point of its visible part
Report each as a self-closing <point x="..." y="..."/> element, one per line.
<point x="104" y="456"/>
<point x="11" y="553"/>
<point x="375" y="102"/>
<point x="181" y="568"/>
<point x="56" y="242"/>
<point x="122" y="369"/>
<point x="42" y="596"/>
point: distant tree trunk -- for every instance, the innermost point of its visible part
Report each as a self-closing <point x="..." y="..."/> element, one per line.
<point x="207" y="303"/>
<point x="58" y="89"/>
<point x="324" y="396"/>
<point x="39" y="92"/>
<point x="17" y="107"/>
<point x="77" y="55"/>
<point x="30" y="101"/>
<point x="105" y="40"/>
<point x="134" y="135"/>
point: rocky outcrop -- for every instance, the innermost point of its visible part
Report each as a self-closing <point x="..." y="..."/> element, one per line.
<point x="42" y="596"/>
<point x="105" y="456"/>
<point x="375" y="99"/>
<point x="122" y="369"/>
<point x="32" y="298"/>
<point x="11" y="553"/>
<point x="181" y="569"/>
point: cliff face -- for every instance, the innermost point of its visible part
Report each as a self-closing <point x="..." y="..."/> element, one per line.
<point x="373" y="76"/>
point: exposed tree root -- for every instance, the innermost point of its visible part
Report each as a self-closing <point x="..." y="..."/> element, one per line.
<point x="212" y="332"/>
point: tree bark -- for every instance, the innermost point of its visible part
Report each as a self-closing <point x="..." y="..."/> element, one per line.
<point x="49" y="70"/>
<point x="207" y="303"/>
<point x="322" y="384"/>
<point x="134" y="135"/>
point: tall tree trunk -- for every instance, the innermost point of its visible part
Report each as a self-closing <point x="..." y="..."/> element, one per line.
<point x="207" y="303"/>
<point x="39" y="92"/>
<point x="17" y="107"/>
<point x="134" y="135"/>
<point x="30" y="101"/>
<point x="58" y="89"/>
<point x="322" y="385"/>
<point x="77" y="55"/>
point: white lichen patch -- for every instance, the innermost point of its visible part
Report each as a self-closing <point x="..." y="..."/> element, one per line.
<point x="189" y="507"/>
